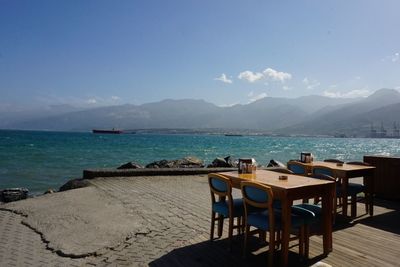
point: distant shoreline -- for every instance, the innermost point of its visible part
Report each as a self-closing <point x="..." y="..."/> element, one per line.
<point x="222" y="132"/>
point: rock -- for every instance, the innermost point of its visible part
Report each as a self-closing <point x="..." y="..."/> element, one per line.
<point x="49" y="191"/>
<point x="187" y="162"/>
<point x="226" y="162"/>
<point x="275" y="163"/>
<point x="74" y="183"/>
<point x="14" y="194"/>
<point x="231" y="161"/>
<point x="158" y="164"/>
<point x="130" y="165"/>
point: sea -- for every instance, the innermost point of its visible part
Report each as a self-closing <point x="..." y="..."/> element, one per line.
<point x="40" y="160"/>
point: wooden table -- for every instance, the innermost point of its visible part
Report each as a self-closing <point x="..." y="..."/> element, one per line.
<point x="348" y="171"/>
<point x="294" y="188"/>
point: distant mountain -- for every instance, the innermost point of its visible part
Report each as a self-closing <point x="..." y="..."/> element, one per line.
<point x="353" y="119"/>
<point x="11" y="118"/>
<point x="310" y="115"/>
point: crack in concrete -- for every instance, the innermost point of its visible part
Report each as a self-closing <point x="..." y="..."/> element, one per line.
<point x="70" y="255"/>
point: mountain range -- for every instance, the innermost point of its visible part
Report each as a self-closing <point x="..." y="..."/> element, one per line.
<point x="306" y="115"/>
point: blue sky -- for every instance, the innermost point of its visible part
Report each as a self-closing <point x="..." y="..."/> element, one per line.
<point x="91" y="53"/>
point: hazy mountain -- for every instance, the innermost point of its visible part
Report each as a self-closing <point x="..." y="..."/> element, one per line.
<point x="354" y="118"/>
<point x="265" y="114"/>
<point x="12" y="117"/>
<point x="312" y="115"/>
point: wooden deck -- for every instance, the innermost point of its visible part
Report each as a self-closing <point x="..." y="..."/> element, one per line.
<point x="364" y="241"/>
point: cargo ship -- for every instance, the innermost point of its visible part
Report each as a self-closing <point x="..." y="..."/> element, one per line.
<point x="112" y="131"/>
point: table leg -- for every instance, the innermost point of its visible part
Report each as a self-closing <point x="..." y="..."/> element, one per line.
<point x="369" y="194"/>
<point x="327" y="210"/>
<point x="345" y="185"/>
<point x="286" y="224"/>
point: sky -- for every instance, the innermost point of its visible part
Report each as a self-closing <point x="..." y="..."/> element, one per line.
<point x="95" y="53"/>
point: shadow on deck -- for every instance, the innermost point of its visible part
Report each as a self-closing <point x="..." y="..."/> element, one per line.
<point x="364" y="241"/>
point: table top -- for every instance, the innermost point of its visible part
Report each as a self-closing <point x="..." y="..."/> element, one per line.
<point x="344" y="167"/>
<point x="271" y="178"/>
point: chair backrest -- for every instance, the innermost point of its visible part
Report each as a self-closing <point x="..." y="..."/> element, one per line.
<point x="279" y="169"/>
<point x="322" y="170"/>
<point x="361" y="163"/>
<point x="333" y="160"/>
<point x="322" y="176"/>
<point x="220" y="186"/>
<point x="257" y="195"/>
<point x="297" y="167"/>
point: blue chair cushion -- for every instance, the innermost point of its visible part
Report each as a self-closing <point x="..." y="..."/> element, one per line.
<point x="260" y="220"/>
<point x="323" y="171"/>
<point x="354" y="189"/>
<point x="221" y="207"/>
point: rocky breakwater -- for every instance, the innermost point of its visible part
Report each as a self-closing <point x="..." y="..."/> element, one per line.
<point x="185" y="166"/>
<point x="186" y="162"/>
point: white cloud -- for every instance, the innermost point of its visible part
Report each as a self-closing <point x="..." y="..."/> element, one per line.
<point x="115" y="98"/>
<point x="395" y="57"/>
<point x="350" y="94"/>
<point x="256" y="97"/>
<point x="286" y="88"/>
<point x="277" y="75"/>
<point x="227" y="105"/>
<point x="223" y="78"/>
<point x="267" y="74"/>
<point x="91" y="101"/>
<point x="250" y="76"/>
<point x="311" y="84"/>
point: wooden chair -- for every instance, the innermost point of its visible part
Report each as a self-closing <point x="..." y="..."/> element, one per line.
<point x="279" y="169"/>
<point x="323" y="170"/>
<point x="297" y="168"/>
<point x="315" y="208"/>
<point x="333" y="160"/>
<point x="224" y="206"/>
<point x="259" y="213"/>
<point x="354" y="189"/>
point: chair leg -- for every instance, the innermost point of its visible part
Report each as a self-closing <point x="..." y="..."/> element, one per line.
<point x="246" y="234"/>
<point x="278" y="239"/>
<point x="220" y="224"/>
<point x="239" y="225"/>
<point x="301" y="241"/>
<point x="353" y="206"/>
<point x="242" y="225"/>
<point x="262" y="236"/>
<point x="271" y="248"/>
<point x="306" y="241"/>
<point x="230" y="231"/>
<point x="212" y="225"/>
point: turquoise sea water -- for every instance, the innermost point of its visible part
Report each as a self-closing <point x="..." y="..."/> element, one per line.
<point x="42" y="160"/>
